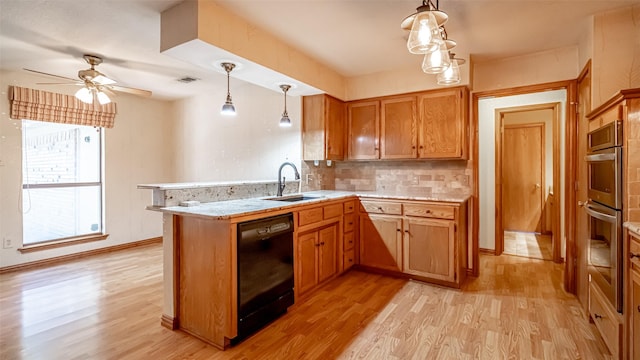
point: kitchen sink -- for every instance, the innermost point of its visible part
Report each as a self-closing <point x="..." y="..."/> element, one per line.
<point x="294" y="198"/>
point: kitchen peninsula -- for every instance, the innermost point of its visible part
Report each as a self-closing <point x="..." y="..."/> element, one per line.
<point x="420" y="237"/>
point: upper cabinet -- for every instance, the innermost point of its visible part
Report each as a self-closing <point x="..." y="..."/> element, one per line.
<point x="426" y="125"/>
<point x="323" y="119"/>
<point x="443" y="124"/>
<point x="363" y="130"/>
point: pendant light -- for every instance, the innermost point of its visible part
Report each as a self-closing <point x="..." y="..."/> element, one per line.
<point x="451" y="76"/>
<point x="228" y="109"/>
<point x="284" y="120"/>
<point x="425" y="33"/>
<point x="436" y="61"/>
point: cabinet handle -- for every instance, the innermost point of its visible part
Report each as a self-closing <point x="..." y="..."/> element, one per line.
<point x="350" y="260"/>
<point x="350" y="223"/>
<point x="413" y="147"/>
<point x="421" y="147"/>
<point x="632" y="255"/>
<point x="322" y="243"/>
<point x="597" y="316"/>
<point x="428" y="211"/>
<point x="317" y="244"/>
<point x="638" y="308"/>
<point x="350" y="241"/>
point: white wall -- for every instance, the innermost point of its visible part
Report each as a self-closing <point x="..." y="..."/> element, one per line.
<point x="249" y="146"/>
<point x="486" y="161"/>
<point x="138" y="150"/>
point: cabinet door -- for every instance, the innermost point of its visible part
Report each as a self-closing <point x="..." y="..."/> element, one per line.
<point x="443" y="124"/>
<point x="334" y="134"/>
<point x="307" y="272"/>
<point x="381" y="241"/>
<point x="429" y="248"/>
<point x="398" y="137"/>
<point x="363" y="130"/>
<point x="322" y="128"/>
<point x="328" y="240"/>
<point x="634" y="315"/>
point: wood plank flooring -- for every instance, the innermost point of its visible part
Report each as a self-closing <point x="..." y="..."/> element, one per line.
<point x="109" y="307"/>
<point x="531" y="245"/>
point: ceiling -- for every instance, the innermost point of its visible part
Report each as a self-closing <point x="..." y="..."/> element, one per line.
<point x="353" y="37"/>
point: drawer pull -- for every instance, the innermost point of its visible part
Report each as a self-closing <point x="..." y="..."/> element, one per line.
<point x="350" y="260"/>
<point x="597" y="316"/>
<point x="632" y="255"/>
<point x="638" y="308"/>
<point x="350" y="241"/>
<point x="398" y="230"/>
<point x="317" y="244"/>
<point x="350" y="222"/>
<point x="322" y="243"/>
<point x="428" y="211"/>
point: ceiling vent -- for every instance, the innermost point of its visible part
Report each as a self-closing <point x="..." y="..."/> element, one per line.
<point x="187" y="79"/>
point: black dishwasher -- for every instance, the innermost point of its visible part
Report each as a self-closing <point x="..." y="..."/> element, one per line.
<point x="265" y="272"/>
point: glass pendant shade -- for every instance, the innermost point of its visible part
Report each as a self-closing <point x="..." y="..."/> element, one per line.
<point x="85" y="95"/>
<point x="436" y="61"/>
<point x="451" y="76"/>
<point x="285" y="121"/>
<point x="425" y="34"/>
<point x="103" y="98"/>
<point x="228" y="108"/>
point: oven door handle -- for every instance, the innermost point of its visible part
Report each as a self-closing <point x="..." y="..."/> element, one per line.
<point x="599" y="215"/>
<point x="601" y="157"/>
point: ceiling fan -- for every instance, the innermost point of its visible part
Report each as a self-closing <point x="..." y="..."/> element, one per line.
<point x="95" y="85"/>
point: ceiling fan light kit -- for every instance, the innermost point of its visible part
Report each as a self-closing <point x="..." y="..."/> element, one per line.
<point x="428" y="37"/>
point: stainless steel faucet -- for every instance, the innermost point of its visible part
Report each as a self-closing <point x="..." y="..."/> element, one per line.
<point x="281" y="179"/>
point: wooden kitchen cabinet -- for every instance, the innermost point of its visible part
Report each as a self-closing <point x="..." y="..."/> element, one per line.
<point x="443" y="129"/>
<point x="363" y="130"/>
<point x="632" y="308"/>
<point x="429" y="248"/>
<point x="316" y="257"/>
<point x="398" y="137"/>
<point x="323" y="128"/>
<point x="381" y="241"/>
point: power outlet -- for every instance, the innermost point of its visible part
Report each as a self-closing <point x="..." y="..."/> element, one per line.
<point x="7" y="243"/>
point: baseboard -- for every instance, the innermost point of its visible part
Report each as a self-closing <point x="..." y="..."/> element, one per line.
<point x="69" y="257"/>
<point x="487" y="251"/>
<point x="169" y="322"/>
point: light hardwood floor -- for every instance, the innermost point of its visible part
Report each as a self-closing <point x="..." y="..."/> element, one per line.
<point x="109" y="307"/>
<point x="531" y="245"/>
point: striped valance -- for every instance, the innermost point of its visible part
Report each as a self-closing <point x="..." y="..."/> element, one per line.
<point x="42" y="105"/>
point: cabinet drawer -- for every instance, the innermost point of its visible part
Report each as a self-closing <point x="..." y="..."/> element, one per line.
<point x="429" y="210"/>
<point x="348" y="241"/>
<point x="375" y="207"/>
<point x="349" y="206"/>
<point x="349" y="259"/>
<point x="604" y="318"/>
<point x="349" y="222"/>
<point x="331" y="211"/>
<point x="634" y="250"/>
<point x="309" y="216"/>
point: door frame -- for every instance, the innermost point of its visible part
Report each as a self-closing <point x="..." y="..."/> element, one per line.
<point x="570" y="165"/>
<point x="499" y="138"/>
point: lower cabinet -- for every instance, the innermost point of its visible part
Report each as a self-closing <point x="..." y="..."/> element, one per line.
<point x="632" y="309"/>
<point x="429" y="248"/>
<point x="607" y="320"/>
<point x="316" y="257"/>
<point x="381" y="241"/>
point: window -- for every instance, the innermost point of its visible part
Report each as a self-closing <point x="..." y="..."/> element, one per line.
<point x="61" y="181"/>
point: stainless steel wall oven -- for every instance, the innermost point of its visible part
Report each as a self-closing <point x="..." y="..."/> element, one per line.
<point x="604" y="210"/>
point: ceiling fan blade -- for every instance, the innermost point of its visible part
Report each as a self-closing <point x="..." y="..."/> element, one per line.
<point x="139" y="92"/>
<point x="74" y="84"/>
<point x="47" y="74"/>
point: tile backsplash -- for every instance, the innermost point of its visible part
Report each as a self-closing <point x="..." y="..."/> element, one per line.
<point x="451" y="177"/>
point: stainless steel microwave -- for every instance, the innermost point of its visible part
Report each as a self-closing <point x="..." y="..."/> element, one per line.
<point x="604" y="165"/>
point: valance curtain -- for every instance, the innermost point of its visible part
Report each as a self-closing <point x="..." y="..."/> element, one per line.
<point x="42" y="105"/>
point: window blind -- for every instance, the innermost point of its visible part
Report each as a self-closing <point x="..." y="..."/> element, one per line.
<point x="58" y="108"/>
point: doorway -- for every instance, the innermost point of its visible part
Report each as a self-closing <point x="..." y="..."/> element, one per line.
<point x="527" y="172"/>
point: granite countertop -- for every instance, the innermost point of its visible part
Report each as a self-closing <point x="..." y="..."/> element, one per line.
<point x="193" y="185"/>
<point x="222" y="210"/>
<point x="633" y="226"/>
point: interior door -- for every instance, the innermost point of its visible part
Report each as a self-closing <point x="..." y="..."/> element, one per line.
<point x="523" y="177"/>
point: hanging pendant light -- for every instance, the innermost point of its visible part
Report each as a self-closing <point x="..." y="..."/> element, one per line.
<point x="228" y="109"/>
<point x="284" y="120"/>
<point x="451" y="76"/>
<point x="437" y="60"/>
<point x="427" y="6"/>
<point x="425" y="33"/>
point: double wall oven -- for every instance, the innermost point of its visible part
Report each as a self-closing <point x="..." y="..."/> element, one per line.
<point x="604" y="209"/>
